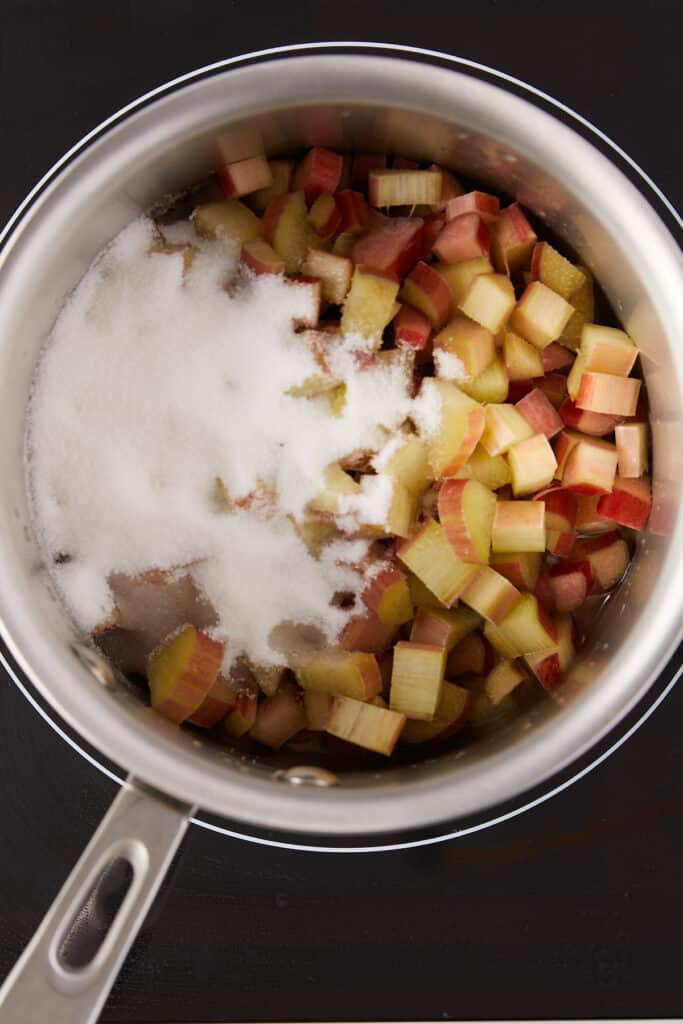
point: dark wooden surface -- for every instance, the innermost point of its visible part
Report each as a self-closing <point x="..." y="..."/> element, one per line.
<point x="573" y="910"/>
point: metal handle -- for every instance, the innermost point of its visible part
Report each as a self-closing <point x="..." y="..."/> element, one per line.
<point x="65" y="973"/>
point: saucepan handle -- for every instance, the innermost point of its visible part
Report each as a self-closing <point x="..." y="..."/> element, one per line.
<point x="65" y="973"/>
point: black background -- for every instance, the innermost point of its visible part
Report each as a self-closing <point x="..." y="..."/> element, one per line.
<point x="572" y="910"/>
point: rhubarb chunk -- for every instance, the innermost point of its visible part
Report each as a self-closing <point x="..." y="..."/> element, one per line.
<point x="527" y="628"/>
<point x="489" y="300"/>
<point x="512" y="240"/>
<point x="441" y="627"/>
<point x="432" y="559"/>
<point x="365" y="725"/>
<point x="505" y="426"/>
<point x="463" y="238"/>
<point x="279" y="718"/>
<point x="541" y="315"/>
<point x="469" y="346"/>
<point x="608" y="394"/>
<point x="226" y="219"/>
<point x="455" y="435"/>
<point x="426" y="290"/>
<point x="518" y="526"/>
<point x="245" y="176"/>
<point x="285" y="227"/>
<point x="319" y="171"/>
<point x="502" y="680"/>
<point x="369" y="305"/>
<point x="532" y="464"/>
<point x="333" y="671"/>
<point x="491" y="595"/>
<point x="416" y="679"/>
<point x="451" y="715"/>
<point x="182" y="671"/>
<point x="219" y="701"/>
<point x="333" y="272"/>
<point x="631" y="441"/>
<point x="392" y="248"/>
<point x="388" y="596"/>
<point x="403" y="188"/>
<point x="466" y="511"/>
<point x="629" y="503"/>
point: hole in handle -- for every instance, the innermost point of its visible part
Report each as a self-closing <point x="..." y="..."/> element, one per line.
<point x="90" y="924"/>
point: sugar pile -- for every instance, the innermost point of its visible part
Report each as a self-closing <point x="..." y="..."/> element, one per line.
<point x="157" y="380"/>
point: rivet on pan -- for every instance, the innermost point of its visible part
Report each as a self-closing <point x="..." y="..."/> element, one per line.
<point x="306" y="775"/>
<point x="96" y="665"/>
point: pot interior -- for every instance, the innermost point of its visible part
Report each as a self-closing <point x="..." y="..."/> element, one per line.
<point x="493" y="139"/>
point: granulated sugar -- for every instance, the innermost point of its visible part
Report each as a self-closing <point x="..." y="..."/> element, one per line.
<point x="158" y="380"/>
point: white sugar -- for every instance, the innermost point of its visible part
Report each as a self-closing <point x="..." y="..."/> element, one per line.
<point x="450" y="367"/>
<point x="426" y="408"/>
<point x="157" y="380"/>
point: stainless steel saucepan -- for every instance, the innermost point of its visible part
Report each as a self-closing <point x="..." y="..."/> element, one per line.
<point x="350" y="98"/>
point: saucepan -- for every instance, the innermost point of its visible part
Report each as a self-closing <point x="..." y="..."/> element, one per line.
<point x="348" y="97"/>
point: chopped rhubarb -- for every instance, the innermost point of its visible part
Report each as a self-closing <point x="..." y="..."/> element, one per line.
<point x="451" y="715"/>
<point x="433" y="226"/>
<point x="369" y="305"/>
<point x="588" y="519"/>
<point x="416" y="679"/>
<point x="426" y="290"/>
<point x="590" y="466"/>
<point x="560" y="520"/>
<point x="393" y="248"/>
<point x="492" y="471"/>
<point x="527" y="628"/>
<point x="490" y="595"/>
<point x="403" y="188"/>
<point x="219" y="701"/>
<point x="469" y="657"/>
<point x="489" y="299"/>
<point x="607" y="350"/>
<point x="596" y="424"/>
<point x="227" y="219"/>
<point x="281" y="177"/>
<point x="367" y="633"/>
<point x="245" y="176"/>
<point x="388" y="596"/>
<point x="182" y="671"/>
<point x="532" y="464"/>
<point x="553" y="270"/>
<point x="631" y="442"/>
<point x="325" y="216"/>
<point x="442" y="627"/>
<point x="285" y="226"/>
<point x="354" y="674"/>
<point x="629" y="503"/>
<point x="365" y="725"/>
<point x="431" y="558"/>
<point x="464" y="238"/>
<point x="518" y="526"/>
<point x="608" y="394"/>
<point x="481" y="203"/>
<point x="333" y="272"/>
<point x="466" y="510"/>
<point x="541" y="315"/>
<point x="502" y="680"/>
<point x="540" y="413"/>
<point x="407" y="462"/>
<point x="608" y="556"/>
<point x="466" y="345"/>
<point x="458" y="431"/>
<point x="240" y="720"/>
<point x="459" y="276"/>
<point x="521" y="568"/>
<point x="355" y="213"/>
<point x="411" y="329"/>
<point x="505" y="426"/>
<point x="319" y="171"/>
<point x="522" y="359"/>
<point x="491" y="385"/>
<point x="279" y="718"/>
<point x="570" y="583"/>
<point x="556" y="357"/>
<point x="512" y="240"/>
<point x="261" y="258"/>
<point x="317" y="707"/>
